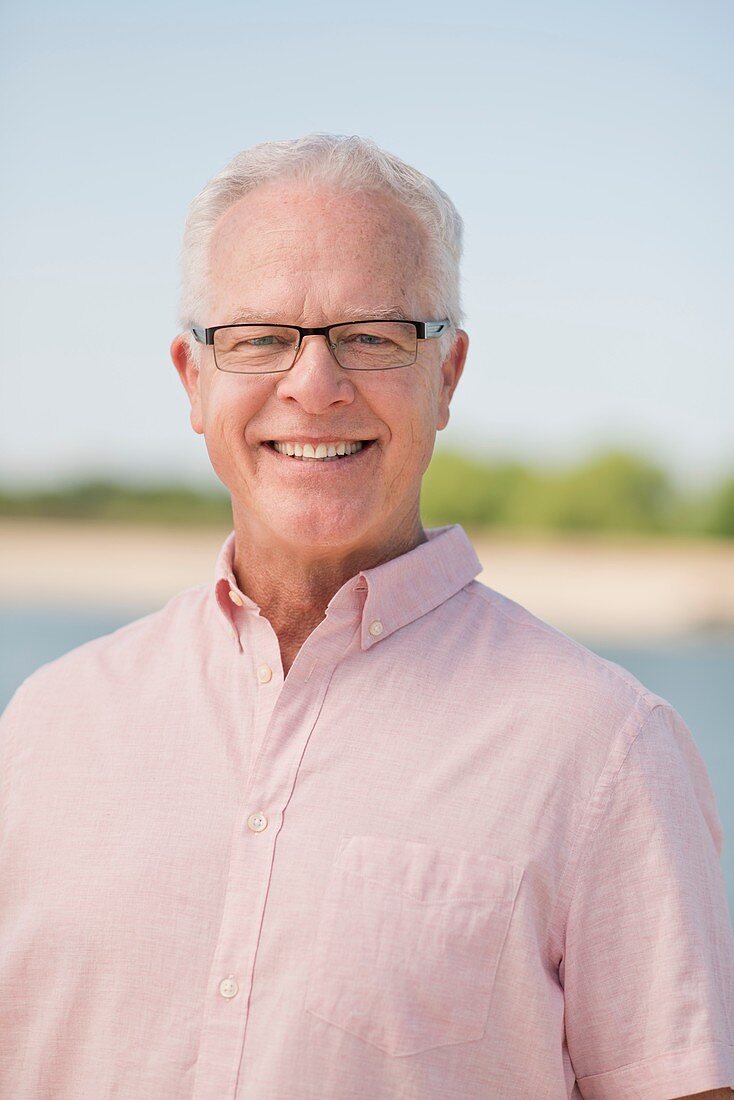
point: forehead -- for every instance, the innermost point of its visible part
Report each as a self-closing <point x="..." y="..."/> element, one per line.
<point x="314" y="249"/>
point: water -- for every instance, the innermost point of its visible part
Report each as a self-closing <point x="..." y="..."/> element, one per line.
<point x="695" y="675"/>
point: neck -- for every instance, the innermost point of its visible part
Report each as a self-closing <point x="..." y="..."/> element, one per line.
<point x="292" y="585"/>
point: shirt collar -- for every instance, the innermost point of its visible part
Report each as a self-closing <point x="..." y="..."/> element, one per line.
<point x="392" y="594"/>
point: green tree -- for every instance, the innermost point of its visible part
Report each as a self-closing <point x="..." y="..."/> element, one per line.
<point x="458" y="489"/>
<point x="721" y="514"/>
<point x="613" y="490"/>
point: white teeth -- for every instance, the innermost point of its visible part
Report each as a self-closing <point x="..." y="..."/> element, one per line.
<point x="323" y="451"/>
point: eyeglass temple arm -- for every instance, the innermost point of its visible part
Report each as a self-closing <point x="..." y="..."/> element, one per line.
<point x="429" y="329"/>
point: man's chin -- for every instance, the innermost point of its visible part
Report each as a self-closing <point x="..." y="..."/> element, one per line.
<point x="329" y="530"/>
<point x="319" y="534"/>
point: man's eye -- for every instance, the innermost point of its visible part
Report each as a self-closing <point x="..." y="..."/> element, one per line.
<point x="368" y="338"/>
<point x="261" y="341"/>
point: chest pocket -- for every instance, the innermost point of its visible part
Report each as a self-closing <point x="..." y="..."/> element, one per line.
<point x="408" y="942"/>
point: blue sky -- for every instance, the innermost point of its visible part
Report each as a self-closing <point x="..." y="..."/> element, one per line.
<point x="588" y="147"/>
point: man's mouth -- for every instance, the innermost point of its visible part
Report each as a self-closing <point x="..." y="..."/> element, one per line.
<point x="333" y="451"/>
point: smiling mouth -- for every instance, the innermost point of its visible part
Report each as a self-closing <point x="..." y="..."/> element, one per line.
<point x="321" y="453"/>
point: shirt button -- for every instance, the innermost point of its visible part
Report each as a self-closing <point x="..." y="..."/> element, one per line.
<point x="375" y="628"/>
<point x="235" y="597"/>
<point x="229" y="988"/>
<point x="264" y="674"/>
<point x="257" y="822"/>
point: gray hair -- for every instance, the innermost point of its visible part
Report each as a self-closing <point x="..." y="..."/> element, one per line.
<point x="353" y="164"/>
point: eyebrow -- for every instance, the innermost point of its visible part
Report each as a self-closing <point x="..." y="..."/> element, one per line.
<point x="385" y="313"/>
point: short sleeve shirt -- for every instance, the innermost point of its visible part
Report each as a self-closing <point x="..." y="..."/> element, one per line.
<point x="454" y="854"/>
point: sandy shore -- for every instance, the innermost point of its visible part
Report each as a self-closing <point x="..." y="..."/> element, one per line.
<point x="612" y="589"/>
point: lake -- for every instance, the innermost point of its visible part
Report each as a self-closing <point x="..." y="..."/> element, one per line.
<point x="696" y="675"/>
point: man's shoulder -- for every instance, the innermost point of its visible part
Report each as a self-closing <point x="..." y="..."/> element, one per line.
<point x="120" y="654"/>
<point x="547" y="666"/>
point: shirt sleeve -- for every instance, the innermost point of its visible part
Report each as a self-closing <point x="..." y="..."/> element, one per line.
<point x="648" y="964"/>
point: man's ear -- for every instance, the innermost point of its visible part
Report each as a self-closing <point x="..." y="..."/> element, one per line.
<point x="451" y="369"/>
<point x="188" y="371"/>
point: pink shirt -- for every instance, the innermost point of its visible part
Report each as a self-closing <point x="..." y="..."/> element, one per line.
<point x="455" y="855"/>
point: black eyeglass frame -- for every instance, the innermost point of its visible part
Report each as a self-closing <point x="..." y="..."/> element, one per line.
<point x="424" y="330"/>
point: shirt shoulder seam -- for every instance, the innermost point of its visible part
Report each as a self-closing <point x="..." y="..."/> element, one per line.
<point x="8" y="742"/>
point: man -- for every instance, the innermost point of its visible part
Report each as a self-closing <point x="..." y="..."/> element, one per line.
<point x="347" y="823"/>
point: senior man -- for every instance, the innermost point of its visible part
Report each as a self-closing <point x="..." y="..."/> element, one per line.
<point x="346" y="824"/>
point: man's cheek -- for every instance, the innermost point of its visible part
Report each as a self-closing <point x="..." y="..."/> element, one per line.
<point x="222" y="436"/>
<point x="230" y="425"/>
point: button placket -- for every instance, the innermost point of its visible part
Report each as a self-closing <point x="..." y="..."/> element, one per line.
<point x="288" y="722"/>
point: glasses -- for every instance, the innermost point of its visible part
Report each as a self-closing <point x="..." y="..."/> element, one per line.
<point x="358" y="345"/>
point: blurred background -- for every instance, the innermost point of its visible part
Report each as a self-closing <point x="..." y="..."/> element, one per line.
<point x="590" y="453"/>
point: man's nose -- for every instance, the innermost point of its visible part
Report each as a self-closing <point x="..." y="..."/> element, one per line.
<point x="316" y="380"/>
